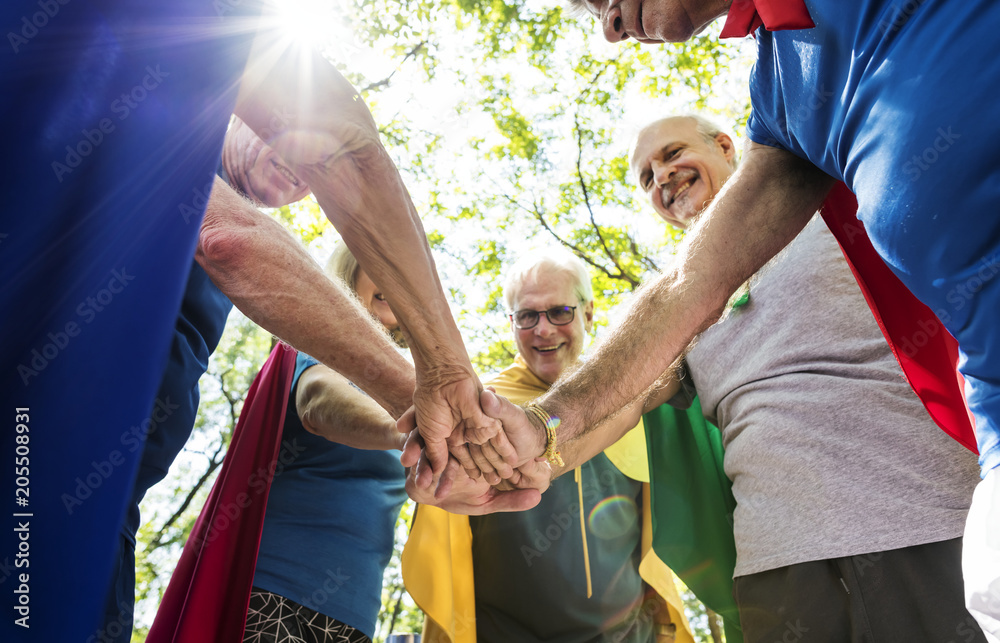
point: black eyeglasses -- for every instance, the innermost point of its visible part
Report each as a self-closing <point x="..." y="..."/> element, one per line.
<point x="557" y="316"/>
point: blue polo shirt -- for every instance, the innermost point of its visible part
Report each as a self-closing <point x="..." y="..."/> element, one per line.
<point x="116" y="113"/>
<point x="897" y="100"/>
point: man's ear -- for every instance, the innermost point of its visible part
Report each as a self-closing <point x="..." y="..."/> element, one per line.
<point x="588" y="316"/>
<point x="726" y="145"/>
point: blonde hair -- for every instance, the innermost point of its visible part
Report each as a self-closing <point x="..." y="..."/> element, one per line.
<point x="344" y="267"/>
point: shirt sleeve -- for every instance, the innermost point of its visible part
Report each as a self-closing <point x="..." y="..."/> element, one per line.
<point x="302" y="362"/>
<point x="759" y="133"/>
<point x="685" y="396"/>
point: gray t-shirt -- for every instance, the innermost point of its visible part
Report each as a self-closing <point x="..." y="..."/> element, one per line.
<point x="830" y="452"/>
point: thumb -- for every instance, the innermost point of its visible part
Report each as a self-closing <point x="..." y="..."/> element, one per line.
<point x="492" y="403"/>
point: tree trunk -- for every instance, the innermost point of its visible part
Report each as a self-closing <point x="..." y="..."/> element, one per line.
<point x="713" y="625"/>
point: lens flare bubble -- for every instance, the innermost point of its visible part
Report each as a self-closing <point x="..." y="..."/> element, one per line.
<point x="613" y="517"/>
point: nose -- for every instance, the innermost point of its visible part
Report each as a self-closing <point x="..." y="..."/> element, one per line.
<point x="614" y="26"/>
<point x="544" y="328"/>
<point x="662" y="172"/>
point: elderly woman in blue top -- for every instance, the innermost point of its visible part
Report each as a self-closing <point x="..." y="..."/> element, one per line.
<point x="328" y="531"/>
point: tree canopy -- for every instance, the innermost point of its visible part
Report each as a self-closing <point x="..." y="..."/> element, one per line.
<point x="511" y="123"/>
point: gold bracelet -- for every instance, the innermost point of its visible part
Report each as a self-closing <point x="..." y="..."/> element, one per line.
<point x="551" y="424"/>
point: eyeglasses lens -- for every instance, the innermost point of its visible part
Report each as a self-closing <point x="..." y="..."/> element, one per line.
<point x="558" y="316"/>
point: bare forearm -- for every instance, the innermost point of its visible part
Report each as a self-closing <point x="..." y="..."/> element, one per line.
<point x="326" y="133"/>
<point x="761" y="209"/>
<point x="581" y="447"/>
<point x="271" y="278"/>
<point x="330" y="407"/>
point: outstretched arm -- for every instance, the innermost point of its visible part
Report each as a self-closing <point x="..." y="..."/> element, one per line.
<point x="269" y="276"/>
<point x="526" y="435"/>
<point x="303" y="108"/>
<point x="759" y="211"/>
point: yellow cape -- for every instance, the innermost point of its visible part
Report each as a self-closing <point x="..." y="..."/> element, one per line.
<point x="437" y="558"/>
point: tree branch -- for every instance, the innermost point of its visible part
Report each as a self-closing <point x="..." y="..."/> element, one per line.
<point x="385" y="81"/>
<point x="622" y="273"/>
<point x="213" y="464"/>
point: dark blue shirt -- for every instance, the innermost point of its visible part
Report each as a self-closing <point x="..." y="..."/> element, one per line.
<point x="202" y="319"/>
<point x="530" y="578"/>
<point x="328" y="531"/>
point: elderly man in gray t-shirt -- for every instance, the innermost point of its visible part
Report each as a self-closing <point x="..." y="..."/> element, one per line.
<point x="850" y="502"/>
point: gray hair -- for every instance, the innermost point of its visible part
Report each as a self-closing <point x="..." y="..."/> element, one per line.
<point x="554" y="260"/>
<point x="342" y="266"/>
<point x="705" y="127"/>
<point x="576" y="8"/>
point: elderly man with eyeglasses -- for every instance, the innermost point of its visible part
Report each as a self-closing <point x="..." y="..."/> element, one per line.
<point x="582" y="563"/>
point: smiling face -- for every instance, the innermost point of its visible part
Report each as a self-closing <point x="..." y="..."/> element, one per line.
<point x="272" y="183"/>
<point x="655" y="21"/>
<point x="372" y="299"/>
<point x="678" y="170"/>
<point x="256" y="170"/>
<point x="549" y="349"/>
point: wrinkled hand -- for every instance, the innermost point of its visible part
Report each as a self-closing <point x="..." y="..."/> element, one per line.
<point x="518" y="445"/>
<point x="523" y="437"/>
<point x="448" y="417"/>
<point x="474" y="496"/>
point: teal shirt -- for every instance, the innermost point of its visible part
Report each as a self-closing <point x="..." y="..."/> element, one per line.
<point x="529" y="569"/>
<point x="328" y="532"/>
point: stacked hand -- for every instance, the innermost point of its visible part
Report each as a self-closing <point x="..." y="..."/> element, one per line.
<point x="471" y="452"/>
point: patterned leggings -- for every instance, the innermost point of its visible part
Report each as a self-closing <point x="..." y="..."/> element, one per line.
<point x="275" y="619"/>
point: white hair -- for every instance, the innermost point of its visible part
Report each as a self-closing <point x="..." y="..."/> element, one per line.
<point x="552" y="260"/>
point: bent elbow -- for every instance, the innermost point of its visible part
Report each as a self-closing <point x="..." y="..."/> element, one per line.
<point x="221" y="250"/>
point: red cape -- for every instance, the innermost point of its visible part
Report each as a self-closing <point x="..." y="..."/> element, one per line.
<point x="207" y="597"/>
<point x="925" y="350"/>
